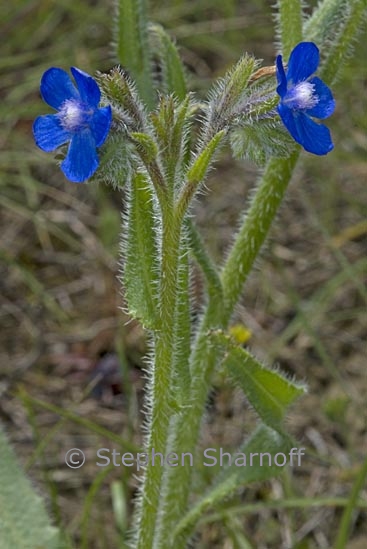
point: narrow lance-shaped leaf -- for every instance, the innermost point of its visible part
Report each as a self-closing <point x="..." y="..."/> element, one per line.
<point x="254" y="461"/>
<point x="340" y="48"/>
<point x="172" y="123"/>
<point x="140" y="262"/>
<point x="324" y="22"/>
<point x="202" y="162"/>
<point x="289" y="24"/>
<point x="268" y="391"/>
<point x="132" y="50"/>
<point x="173" y="73"/>
<point x="198" y="171"/>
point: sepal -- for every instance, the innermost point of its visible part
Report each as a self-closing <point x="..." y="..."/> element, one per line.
<point x="116" y="161"/>
<point x="259" y="140"/>
<point x="120" y="92"/>
<point x="227" y="94"/>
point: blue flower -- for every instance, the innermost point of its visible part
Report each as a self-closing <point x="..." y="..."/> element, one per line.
<point x="78" y="121"/>
<point x="303" y="96"/>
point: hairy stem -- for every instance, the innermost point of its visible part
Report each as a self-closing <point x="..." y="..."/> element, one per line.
<point x="159" y="396"/>
<point x="255" y="228"/>
<point x="289" y="19"/>
<point x="242" y="256"/>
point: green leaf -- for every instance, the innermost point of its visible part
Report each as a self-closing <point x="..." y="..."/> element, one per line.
<point x="141" y="253"/>
<point x="324" y="22"/>
<point x="202" y="162"/>
<point x="340" y="48"/>
<point x="173" y="73"/>
<point x="131" y="44"/>
<point x="172" y="122"/>
<point x="264" y="441"/>
<point x="24" y="523"/>
<point x="289" y="24"/>
<point x="259" y="140"/>
<point x="268" y="391"/>
<point x="334" y="26"/>
<point x="119" y="505"/>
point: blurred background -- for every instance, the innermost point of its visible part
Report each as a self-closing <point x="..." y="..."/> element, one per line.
<point x="70" y="360"/>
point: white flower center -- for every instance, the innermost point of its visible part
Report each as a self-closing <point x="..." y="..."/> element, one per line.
<point x="301" y="96"/>
<point x="74" y="115"/>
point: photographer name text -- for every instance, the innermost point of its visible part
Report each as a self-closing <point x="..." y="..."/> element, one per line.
<point x="211" y="457"/>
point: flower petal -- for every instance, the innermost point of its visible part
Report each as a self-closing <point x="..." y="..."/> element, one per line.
<point x="87" y="86"/>
<point x="100" y="124"/>
<point x="81" y="160"/>
<point x="281" y="77"/>
<point x="57" y="87"/>
<point x="303" y="62"/>
<point x="48" y="132"/>
<point x="326" y="104"/>
<point x="314" y="138"/>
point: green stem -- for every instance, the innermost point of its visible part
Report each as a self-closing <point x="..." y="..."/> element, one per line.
<point x="344" y="528"/>
<point x="182" y="335"/>
<point x="174" y="500"/>
<point x="160" y="398"/>
<point x="255" y="228"/>
<point x="244" y="252"/>
<point x="321" y="27"/>
<point x="351" y="26"/>
<point x="289" y="18"/>
<point x="184" y="439"/>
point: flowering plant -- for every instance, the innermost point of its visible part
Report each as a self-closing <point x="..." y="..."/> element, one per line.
<point x="303" y="97"/>
<point x="78" y="120"/>
<point x="161" y="146"/>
